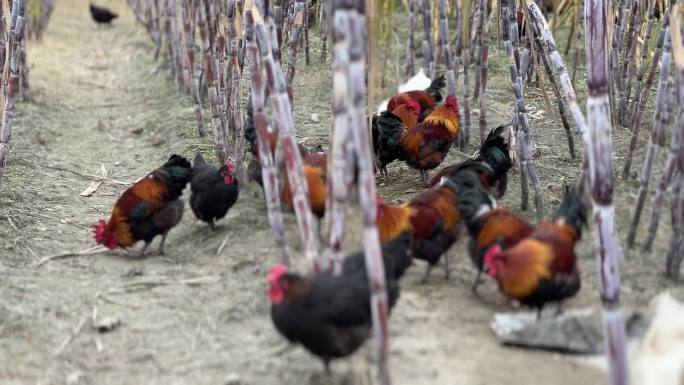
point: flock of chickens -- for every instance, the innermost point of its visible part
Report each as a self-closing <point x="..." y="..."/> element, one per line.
<point x="534" y="265"/>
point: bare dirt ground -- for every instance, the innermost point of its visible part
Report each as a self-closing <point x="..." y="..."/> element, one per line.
<point x="197" y="316"/>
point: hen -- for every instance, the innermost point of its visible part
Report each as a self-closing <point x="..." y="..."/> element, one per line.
<point x="102" y="15"/>
<point x="214" y="191"/>
<point x="543" y="267"/>
<point x="330" y="315"/>
<point x="148" y="208"/>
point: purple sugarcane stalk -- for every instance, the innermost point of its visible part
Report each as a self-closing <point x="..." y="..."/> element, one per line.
<point x="283" y="117"/>
<point x="640" y="98"/>
<point x="11" y="79"/>
<point x="446" y="48"/>
<point x="599" y="155"/>
<point x="660" y="118"/>
<point x="212" y="86"/>
<point x="353" y="12"/>
<point x="674" y="254"/>
<point x="295" y="36"/>
<point x="410" y="41"/>
<point x="428" y="44"/>
<point x="269" y="172"/>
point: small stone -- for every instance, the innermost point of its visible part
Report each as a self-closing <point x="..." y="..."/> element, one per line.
<point x="106" y="324"/>
<point x="315" y="118"/>
<point x="117" y="164"/>
<point x="136" y="131"/>
<point x="232" y="379"/>
<point x="134" y="272"/>
<point x="158" y="141"/>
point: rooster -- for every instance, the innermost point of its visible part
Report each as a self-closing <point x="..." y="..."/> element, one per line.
<point x="488" y="224"/>
<point x="431" y="218"/>
<point x="214" y="191"/>
<point x="331" y="315"/>
<point x="418" y="82"/>
<point x="102" y="15"/>
<point x="148" y="208"/>
<point x="543" y="267"/>
<point x="426" y="145"/>
<point x="493" y="153"/>
<point x="427" y="98"/>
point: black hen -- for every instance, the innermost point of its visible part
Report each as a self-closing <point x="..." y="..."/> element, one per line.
<point x="331" y="315"/>
<point x="491" y="161"/>
<point x="214" y="190"/>
<point x="386" y="129"/>
<point x="101" y="14"/>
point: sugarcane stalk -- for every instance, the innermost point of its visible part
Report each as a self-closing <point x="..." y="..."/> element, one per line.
<point x="467" y="42"/>
<point x="483" y="59"/>
<point x="458" y="49"/>
<point x="428" y="44"/>
<point x="212" y="86"/>
<point x="11" y="79"/>
<point x="674" y="255"/>
<point x="527" y="166"/>
<point x="191" y="81"/>
<point x="295" y="36"/>
<point x="659" y="120"/>
<point x="24" y="70"/>
<point x="354" y="12"/>
<point x="338" y="194"/>
<point x="307" y="50"/>
<point x="324" y="31"/>
<point x="169" y="15"/>
<point x="476" y="36"/>
<point x="556" y="92"/>
<point x="599" y="155"/>
<point x="643" y="65"/>
<point x="269" y="172"/>
<point x="278" y="20"/>
<point x="578" y="45"/>
<point x="563" y="77"/>
<point x="283" y="114"/>
<point x="410" y="41"/>
<point x="446" y="49"/>
<point x="628" y="62"/>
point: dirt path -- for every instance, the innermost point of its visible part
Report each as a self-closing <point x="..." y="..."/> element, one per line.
<point x="194" y="316"/>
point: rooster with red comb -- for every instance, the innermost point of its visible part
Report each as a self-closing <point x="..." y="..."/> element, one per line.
<point x="149" y="208"/>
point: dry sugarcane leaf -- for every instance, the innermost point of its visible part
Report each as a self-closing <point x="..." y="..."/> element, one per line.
<point x="93" y="186"/>
<point x="537" y="67"/>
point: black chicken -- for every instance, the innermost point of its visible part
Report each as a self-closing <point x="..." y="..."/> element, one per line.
<point x="102" y="15"/>
<point x="214" y="190"/>
<point x="331" y="315"/>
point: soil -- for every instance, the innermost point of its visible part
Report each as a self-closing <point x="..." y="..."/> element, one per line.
<point x="98" y="99"/>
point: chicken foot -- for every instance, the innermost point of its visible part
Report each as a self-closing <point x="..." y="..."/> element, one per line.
<point x="447" y="266"/>
<point x="139" y="253"/>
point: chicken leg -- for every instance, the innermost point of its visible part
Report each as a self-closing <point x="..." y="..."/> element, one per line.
<point x="447" y="266"/>
<point x="426" y="275"/>
<point x="477" y="281"/>
<point x="424" y="177"/>
<point x="212" y="225"/>
<point x="161" y="244"/>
